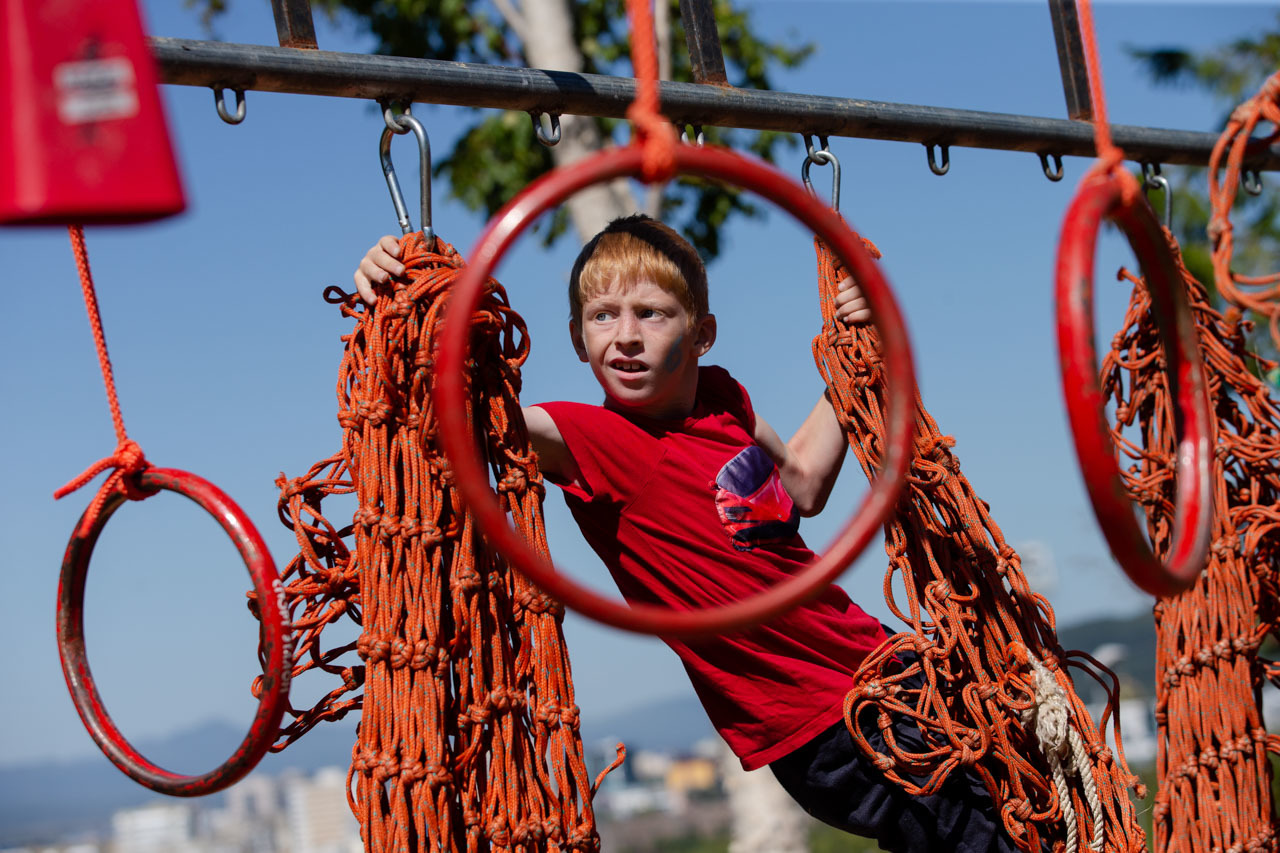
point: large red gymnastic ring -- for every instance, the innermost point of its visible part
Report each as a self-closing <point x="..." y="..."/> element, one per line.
<point x="276" y="641"/>
<point x="1097" y="199"/>
<point x="473" y="481"/>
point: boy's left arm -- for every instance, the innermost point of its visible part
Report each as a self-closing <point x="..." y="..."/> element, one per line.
<point x="810" y="462"/>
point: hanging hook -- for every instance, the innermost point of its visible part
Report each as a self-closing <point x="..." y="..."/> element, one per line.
<point x="219" y="101"/>
<point x="1055" y="174"/>
<point x="408" y="123"/>
<point x="1153" y="180"/>
<point x="1251" y="180"/>
<point x="821" y="156"/>
<point x="548" y="134"/>
<point x="699" y="138"/>
<point x="392" y="118"/>
<point x="946" y="159"/>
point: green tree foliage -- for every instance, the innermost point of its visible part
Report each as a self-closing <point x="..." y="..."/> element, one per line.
<point x="498" y="155"/>
<point x="1233" y="73"/>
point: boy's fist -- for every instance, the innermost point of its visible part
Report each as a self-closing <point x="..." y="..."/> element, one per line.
<point x="851" y="305"/>
<point x="377" y="266"/>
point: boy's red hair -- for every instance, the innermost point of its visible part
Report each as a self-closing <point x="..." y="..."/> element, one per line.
<point x="634" y="248"/>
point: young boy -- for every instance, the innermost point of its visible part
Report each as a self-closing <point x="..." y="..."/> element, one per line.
<point x="692" y="500"/>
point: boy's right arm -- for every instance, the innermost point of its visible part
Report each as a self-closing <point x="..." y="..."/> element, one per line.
<point x="554" y="459"/>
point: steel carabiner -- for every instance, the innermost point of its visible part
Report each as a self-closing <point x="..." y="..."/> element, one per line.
<point x="946" y="159"/>
<point x="219" y="101"/>
<point x="698" y="137"/>
<point x="1251" y="180"/>
<point x="1153" y="180"/>
<point x="822" y="156"/>
<point x="408" y="123"/>
<point x="549" y="135"/>
<point x="1055" y="174"/>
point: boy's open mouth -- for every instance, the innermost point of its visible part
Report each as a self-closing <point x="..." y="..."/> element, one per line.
<point x="628" y="366"/>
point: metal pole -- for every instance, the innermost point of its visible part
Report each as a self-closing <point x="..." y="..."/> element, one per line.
<point x="395" y="78"/>
<point x="294" y="25"/>
<point x="1075" y="71"/>
<point x="703" y="39"/>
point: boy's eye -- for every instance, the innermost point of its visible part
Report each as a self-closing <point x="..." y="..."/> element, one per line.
<point x="647" y="312"/>
<point x="601" y="316"/>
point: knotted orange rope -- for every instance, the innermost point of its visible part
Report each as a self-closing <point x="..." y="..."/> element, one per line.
<point x="469" y="736"/>
<point x="653" y="132"/>
<point x="127" y="461"/>
<point x="1213" y="768"/>
<point x="1213" y="749"/>
<point x="1234" y="144"/>
<point x="996" y="697"/>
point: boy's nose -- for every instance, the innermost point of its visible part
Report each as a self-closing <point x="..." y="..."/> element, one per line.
<point x="628" y="329"/>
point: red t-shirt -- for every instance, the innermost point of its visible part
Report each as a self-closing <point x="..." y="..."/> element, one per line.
<point x="690" y="514"/>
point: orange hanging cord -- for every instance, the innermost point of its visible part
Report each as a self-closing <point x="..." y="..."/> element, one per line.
<point x="653" y="132"/>
<point x="127" y="462"/>
<point x="1110" y="160"/>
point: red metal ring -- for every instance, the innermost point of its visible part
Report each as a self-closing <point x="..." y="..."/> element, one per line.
<point x="473" y="481"/>
<point x="1097" y="199"/>
<point x="276" y="640"/>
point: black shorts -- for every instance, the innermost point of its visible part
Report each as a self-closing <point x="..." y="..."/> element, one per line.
<point x="833" y="781"/>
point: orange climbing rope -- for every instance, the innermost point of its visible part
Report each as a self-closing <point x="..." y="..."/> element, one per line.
<point x="1212" y="763"/>
<point x="468" y="737"/>
<point x="996" y="696"/>
<point x="127" y="461"/>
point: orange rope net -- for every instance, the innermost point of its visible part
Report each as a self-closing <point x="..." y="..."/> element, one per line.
<point x="468" y="739"/>
<point x="1212" y="764"/>
<point x="996" y="694"/>
<point x="1213" y="761"/>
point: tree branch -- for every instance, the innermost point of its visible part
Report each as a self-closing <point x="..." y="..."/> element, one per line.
<point x="514" y="19"/>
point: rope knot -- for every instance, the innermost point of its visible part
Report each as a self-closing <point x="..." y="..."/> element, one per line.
<point x="872" y="690"/>
<point x="376" y="412"/>
<point x="436" y="775"/>
<point x="373" y="646"/>
<point x="367" y="516"/>
<point x="399" y="653"/>
<point x="424" y="654"/>
<point x="402" y="303"/>
<point x="352" y="677"/>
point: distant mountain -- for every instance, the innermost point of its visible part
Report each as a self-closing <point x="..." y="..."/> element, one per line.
<point x="40" y="802"/>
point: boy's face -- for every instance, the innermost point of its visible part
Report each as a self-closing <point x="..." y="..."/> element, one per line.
<point x="642" y="348"/>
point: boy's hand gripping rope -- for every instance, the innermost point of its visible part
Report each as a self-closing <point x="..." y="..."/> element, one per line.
<point x="1109" y="191"/>
<point x="132" y="478"/>
<point x="472" y="480"/>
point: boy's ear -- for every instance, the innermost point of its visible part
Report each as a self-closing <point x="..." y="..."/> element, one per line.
<point x="704" y="334"/>
<point x="579" y="345"/>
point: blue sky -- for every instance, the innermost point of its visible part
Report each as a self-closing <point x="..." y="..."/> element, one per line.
<point x="226" y="356"/>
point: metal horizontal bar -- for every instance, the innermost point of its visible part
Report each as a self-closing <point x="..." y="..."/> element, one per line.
<point x="357" y="75"/>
